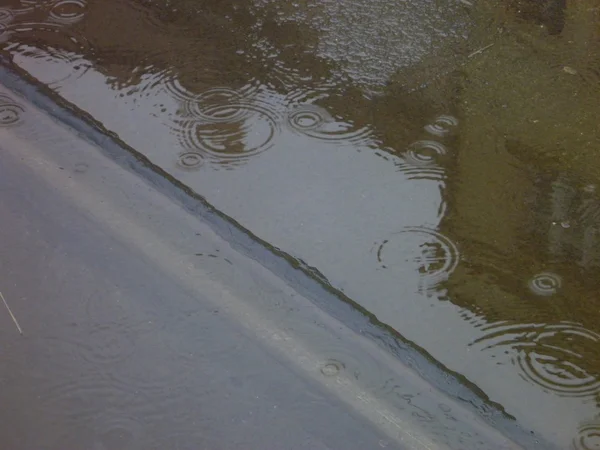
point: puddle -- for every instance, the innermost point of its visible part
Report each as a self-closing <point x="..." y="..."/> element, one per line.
<point x="437" y="163"/>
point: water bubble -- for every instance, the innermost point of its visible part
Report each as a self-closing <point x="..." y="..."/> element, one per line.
<point x="588" y="437"/>
<point x="545" y="283"/>
<point x="442" y="126"/>
<point x="10" y="112"/>
<point x="190" y="161"/>
<point x="551" y="356"/>
<point x="68" y="11"/>
<point x="432" y="254"/>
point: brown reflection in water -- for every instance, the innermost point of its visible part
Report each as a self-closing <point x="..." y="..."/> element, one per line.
<point x="549" y="13"/>
<point x="201" y="45"/>
<point x="523" y="203"/>
<point x="38" y="30"/>
<point x="191" y="48"/>
<point x="530" y="276"/>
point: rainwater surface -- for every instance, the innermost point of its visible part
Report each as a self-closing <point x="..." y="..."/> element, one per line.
<point x="436" y="162"/>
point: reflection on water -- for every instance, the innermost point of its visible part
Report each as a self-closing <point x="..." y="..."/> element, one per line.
<point x="420" y="158"/>
<point x="431" y="254"/>
<point x="442" y="125"/>
<point x="436" y="161"/>
<point x="588" y="437"/>
<point x="317" y="123"/>
<point x="67" y="11"/>
<point x="228" y="126"/>
<point x="557" y="357"/>
<point x="230" y="132"/>
<point x="545" y="283"/>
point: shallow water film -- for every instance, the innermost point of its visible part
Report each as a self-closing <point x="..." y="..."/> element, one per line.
<point x="436" y="163"/>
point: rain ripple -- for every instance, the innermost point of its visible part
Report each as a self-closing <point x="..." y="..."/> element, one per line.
<point x="442" y="126"/>
<point x="545" y="284"/>
<point x="194" y="102"/>
<point x="8" y="14"/>
<point x="190" y="161"/>
<point x="588" y="437"/>
<point x="314" y="121"/>
<point x="66" y="39"/>
<point x="432" y="254"/>
<point x="4" y="33"/>
<point x="67" y="12"/>
<point x="420" y="161"/>
<point x="99" y="344"/>
<point x="40" y="18"/>
<point x="213" y="105"/>
<point x="551" y="356"/>
<point x="10" y="112"/>
<point x="342" y="360"/>
<point x="116" y="430"/>
<point x="79" y="398"/>
<point x="6" y="17"/>
<point x="72" y="65"/>
<point x="229" y="134"/>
